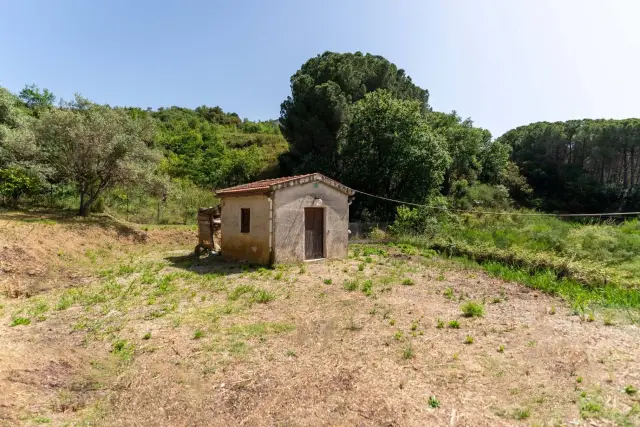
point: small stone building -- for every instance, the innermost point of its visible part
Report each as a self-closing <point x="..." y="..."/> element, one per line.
<point x="285" y="220"/>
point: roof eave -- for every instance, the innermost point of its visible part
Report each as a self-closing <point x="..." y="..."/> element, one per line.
<point x="241" y="193"/>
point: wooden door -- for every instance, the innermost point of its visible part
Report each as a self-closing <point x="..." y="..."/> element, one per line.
<point x="313" y="233"/>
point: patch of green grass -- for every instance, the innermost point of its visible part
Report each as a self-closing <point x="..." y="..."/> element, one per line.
<point x="572" y="290"/>
<point x="454" y="324"/>
<point x="448" y="294"/>
<point x="17" y="321"/>
<point x="408" y="249"/>
<point x="238" y="348"/>
<point x="43" y="221"/>
<point x="38" y="306"/>
<point x="398" y="335"/>
<point x="408" y="282"/>
<point x="239" y="291"/>
<point x="361" y="267"/>
<point x="41" y="420"/>
<point x="368" y="260"/>
<point x="260" y="329"/>
<point x="414" y="325"/>
<point x="351" y="285"/>
<point x="198" y="334"/>
<point x="595" y="262"/>
<point x="630" y="390"/>
<point x="472" y="309"/>
<point x="468" y="339"/>
<point x="291" y="353"/>
<point x="146" y="336"/>
<point x="65" y="301"/>
<point x="408" y="352"/>
<point x="434" y="402"/>
<point x="501" y="349"/>
<point x="327" y="281"/>
<point x="262" y="296"/>
<point x="123" y="349"/>
<point x="367" y="286"/>
<point x="440" y="324"/>
<point x="590" y="406"/>
<point x="372" y="250"/>
<point x="125" y="269"/>
<point x="522" y="413"/>
<point x="165" y="285"/>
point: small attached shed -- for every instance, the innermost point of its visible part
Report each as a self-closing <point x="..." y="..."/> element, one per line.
<point x="285" y="220"/>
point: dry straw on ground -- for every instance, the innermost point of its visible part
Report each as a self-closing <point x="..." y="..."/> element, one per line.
<point x="124" y="349"/>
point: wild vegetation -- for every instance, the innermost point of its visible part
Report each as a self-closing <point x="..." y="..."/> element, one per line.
<point x="580" y="165"/>
<point x="145" y="165"/>
<point x="357" y="118"/>
<point x="412" y="338"/>
<point x="360" y="119"/>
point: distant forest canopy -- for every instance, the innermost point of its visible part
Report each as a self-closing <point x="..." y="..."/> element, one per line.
<point x="580" y="165"/>
<point x="355" y="117"/>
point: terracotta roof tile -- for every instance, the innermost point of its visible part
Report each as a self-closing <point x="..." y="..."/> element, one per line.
<point x="267" y="184"/>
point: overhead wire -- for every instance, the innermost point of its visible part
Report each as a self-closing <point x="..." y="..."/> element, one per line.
<point x="499" y="213"/>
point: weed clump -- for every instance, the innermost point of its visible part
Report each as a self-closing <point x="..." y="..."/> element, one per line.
<point x="407" y="352"/>
<point x="522" y="413"/>
<point x="17" y="321"/>
<point x="263" y="296"/>
<point x="367" y="286"/>
<point x="434" y="402"/>
<point x="472" y="309"/>
<point x="351" y="285"/>
<point x="123" y="349"/>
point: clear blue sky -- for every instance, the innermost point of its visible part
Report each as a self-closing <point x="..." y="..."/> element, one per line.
<point x="504" y="63"/>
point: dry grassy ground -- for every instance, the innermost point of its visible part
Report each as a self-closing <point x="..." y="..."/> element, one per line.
<point x="126" y="332"/>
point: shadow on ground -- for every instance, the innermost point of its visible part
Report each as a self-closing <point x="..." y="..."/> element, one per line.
<point x="209" y="264"/>
<point x="51" y="217"/>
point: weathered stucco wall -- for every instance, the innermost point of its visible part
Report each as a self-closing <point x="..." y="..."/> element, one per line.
<point x="288" y="221"/>
<point x="252" y="246"/>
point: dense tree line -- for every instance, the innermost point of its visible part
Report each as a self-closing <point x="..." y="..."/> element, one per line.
<point x="357" y="118"/>
<point x="362" y="120"/>
<point x="580" y="165"/>
<point x="98" y="151"/>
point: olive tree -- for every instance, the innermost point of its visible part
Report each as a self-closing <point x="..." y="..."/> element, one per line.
<point x="95" y="147"/>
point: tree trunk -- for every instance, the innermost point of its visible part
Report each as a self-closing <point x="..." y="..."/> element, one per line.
<point x="83" y="207"/>
<point x="625" y="171"/>
<point x="632" y="166"/>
